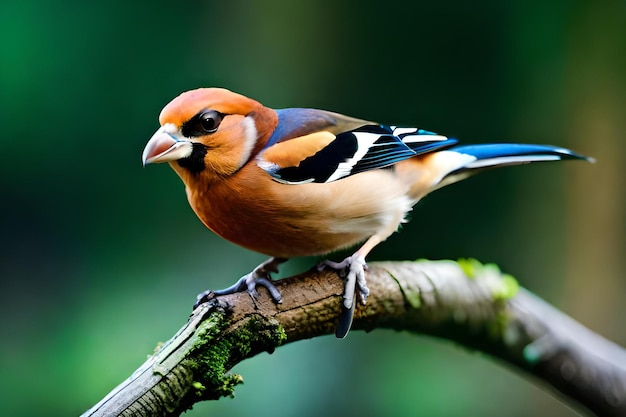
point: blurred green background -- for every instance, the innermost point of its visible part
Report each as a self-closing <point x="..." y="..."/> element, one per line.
<point x="101" y="259"/>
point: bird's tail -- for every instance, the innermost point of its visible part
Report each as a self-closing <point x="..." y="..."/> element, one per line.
<point x="481" y="157"/>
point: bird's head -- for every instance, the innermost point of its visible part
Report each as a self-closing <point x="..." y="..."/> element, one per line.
<point x="210" y="130"/>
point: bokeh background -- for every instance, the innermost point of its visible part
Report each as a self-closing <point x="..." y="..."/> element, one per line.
<point x="100" y="259"/>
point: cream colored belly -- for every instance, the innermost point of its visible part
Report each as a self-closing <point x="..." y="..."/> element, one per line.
<point x="305" y="219"/>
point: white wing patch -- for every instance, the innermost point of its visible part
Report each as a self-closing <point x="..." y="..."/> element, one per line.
<point x="364" y="149"/>
<point x="365" y="141"/>
<point x="416" y="135"/>
<point x="423" y="138"/>
<point x="397" y="131"/>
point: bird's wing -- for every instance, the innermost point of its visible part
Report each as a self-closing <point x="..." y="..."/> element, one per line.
<point x="317" y="146"/>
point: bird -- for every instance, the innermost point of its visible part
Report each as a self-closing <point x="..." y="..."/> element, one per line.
<point x="298" y="182"/>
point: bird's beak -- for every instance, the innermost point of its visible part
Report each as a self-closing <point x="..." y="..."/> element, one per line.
<point x="165" y="147"/>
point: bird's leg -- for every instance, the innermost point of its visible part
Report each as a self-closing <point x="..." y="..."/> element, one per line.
<point x="259" y="276"/>
<point x="352" y="269"/>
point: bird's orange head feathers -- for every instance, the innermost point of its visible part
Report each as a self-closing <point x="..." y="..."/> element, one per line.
<point x="182" y="108"/>
<point x="210" y="131"/>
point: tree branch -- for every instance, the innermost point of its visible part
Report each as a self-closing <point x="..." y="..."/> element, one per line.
<point x="472" y="304"/>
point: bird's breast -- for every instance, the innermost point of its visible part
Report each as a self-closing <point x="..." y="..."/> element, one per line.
<point x="252" y="210"/>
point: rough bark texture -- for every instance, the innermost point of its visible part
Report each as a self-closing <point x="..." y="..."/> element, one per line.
<point x="472" y="304"/>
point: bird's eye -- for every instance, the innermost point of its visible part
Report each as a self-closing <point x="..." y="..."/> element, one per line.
<point x="203" y="123"/>
<point x="209" y="120"/>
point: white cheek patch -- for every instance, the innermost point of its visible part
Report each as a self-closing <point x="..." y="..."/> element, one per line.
<point x="250" y="139"/>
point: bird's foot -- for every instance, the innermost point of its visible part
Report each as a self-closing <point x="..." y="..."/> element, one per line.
<point x="259" y="276"/>
<point x="352" y="269"/>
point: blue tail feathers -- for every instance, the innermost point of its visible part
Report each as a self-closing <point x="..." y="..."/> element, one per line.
<point x="496" y="154"/>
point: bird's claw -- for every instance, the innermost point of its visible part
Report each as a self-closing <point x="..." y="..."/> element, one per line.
<point x="352" y="269"/>
<point x="203" y="297"/>
<point x="260" y="276"/>
<point x="263" y="281"/>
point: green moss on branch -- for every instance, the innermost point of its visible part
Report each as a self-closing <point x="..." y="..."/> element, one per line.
<point x="217" y="349"/>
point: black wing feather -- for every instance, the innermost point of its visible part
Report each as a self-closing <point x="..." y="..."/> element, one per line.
<point x="365" y="148"/>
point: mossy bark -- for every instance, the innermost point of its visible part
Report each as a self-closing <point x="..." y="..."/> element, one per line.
<point x="472" y="304"/>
